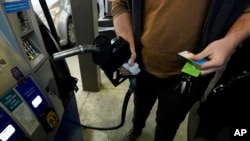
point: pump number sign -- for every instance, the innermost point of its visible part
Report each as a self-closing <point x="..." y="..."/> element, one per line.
<point x="52" y="119"/>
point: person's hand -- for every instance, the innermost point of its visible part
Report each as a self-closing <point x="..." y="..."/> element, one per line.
<point x="131" y="62"/>
<point x="124" y="71"/>
<point x="132" y="59"/>
<point x="217" y="53"/>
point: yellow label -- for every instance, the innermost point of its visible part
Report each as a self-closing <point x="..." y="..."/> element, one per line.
<point x="52" y="119"/>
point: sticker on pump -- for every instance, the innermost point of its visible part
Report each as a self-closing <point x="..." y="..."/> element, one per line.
<point x="12" y="6"/>
<point x="32" y="95"/>
<point x="52" y="119"/>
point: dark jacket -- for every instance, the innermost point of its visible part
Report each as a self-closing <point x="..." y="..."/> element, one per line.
<point x="222" y="14"/>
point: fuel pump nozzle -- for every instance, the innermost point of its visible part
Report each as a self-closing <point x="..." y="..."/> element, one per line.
<point x="75" y="51"/>
<point x="108" y="53"/>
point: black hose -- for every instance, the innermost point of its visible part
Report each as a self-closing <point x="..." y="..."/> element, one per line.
<point x="124" y="109"/>
<point x="132" y="80"/>
<point x="49" y="19"/>
<point x="123" y="114"/>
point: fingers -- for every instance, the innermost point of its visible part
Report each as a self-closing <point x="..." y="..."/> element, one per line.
<point x="208" y="71"/>
<point x="210" y="67"/>
<point x="201" y="55"/>
<point x="124" y="71"/>
<point x="215" y="60"/>
<point x="131" y="61"/>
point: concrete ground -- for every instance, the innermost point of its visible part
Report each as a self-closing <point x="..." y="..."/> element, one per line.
<point x="103" y="109"/>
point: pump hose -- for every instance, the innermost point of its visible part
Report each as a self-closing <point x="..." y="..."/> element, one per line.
<point x="132" y="80"/>
<point x="123" y="115"/>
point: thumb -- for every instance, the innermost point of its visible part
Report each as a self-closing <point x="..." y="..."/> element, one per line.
<point x="198" y="56"/>
<point x="131" y="61"/>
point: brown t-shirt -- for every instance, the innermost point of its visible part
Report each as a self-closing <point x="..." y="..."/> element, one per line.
<point x="170" y="26"/>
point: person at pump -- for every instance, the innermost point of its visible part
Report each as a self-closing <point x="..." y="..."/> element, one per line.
<point x="157" y="31"/>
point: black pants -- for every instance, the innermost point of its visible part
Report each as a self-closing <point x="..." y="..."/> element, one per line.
<point x="172" y="106"/>
<point x="228" y="108"/>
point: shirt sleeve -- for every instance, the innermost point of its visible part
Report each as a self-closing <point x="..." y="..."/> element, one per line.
<point x="247" y="10"/>
<point x="119" y="7"/>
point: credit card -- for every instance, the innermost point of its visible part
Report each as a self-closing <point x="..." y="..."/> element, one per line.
<point x="187" y="54"/>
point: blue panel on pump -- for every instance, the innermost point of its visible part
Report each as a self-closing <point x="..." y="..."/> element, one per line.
<point x="9" y="130"/>
<point x="32" y="95"/>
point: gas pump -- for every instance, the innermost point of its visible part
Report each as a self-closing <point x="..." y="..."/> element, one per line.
<point x="30" y="109"/>
<point x="12" y="106"/>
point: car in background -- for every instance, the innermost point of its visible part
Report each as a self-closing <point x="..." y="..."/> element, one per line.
<point x="60" y="11"/>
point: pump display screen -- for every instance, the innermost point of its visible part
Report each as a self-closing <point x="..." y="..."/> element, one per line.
<point x="37" y="101"/>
